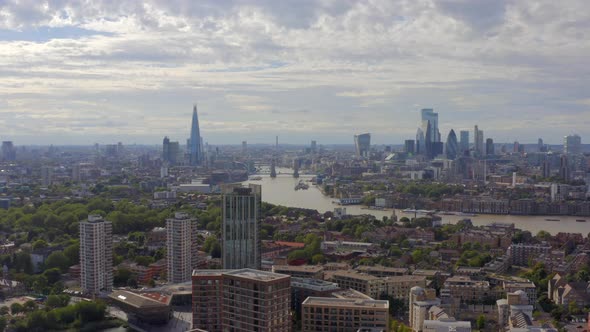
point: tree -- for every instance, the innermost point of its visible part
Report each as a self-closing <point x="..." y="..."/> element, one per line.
<point x="4" y="310"/>
<point x="53" y="275"/>
<point x="59" y="260"/>
<point x="318" y="259"/>
<point x="481" y="322"/>
<point x="16" y="308"/>
<point x="91" y="311"/>
<point x="39" y="244"/>
<point x="57" y="301"/>
<point x="543" y="235"/>
<point x="3" y="324"/>
<point x="72" y="252"/>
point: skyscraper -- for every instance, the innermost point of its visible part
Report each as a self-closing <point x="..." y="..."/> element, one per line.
<point x="362" y="145"/>
<point x="428" y="140"/>
<point x="409" y="146"/>
<point x="96" y="255"/>
<point x="170" y="151"/>
<point x="452" y="146"/>
<point x="240" y="228"/>
<point x="490" y="147"/>
<point x="195" y="148"/>
<point x="564" y="170"/>
<point x="313" y="146"/>
<point x="181" y="245"/>
<point x="244" y="147"/>
<point x="430" y="119"/>
<point x="8" y="151"/>
<point x="419" y="141"/>
<point x="572" y="144"/>
<point x="464" y="143"/>
<point x="46" y="175"/>
<point x="478" y="141"/>
<point x="540" y="145"/>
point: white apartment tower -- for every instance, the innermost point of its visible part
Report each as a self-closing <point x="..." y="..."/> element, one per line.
<point x="182" y="258"/>
<point x="96" y="255"/>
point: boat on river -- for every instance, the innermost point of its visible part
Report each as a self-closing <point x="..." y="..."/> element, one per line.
<point x="549" y="219"/>
<point x="580" y="220"/>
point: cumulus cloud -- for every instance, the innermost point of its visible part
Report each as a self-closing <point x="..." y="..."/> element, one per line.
<point x="132" y="70"/>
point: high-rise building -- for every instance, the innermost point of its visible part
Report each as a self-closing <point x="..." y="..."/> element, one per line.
<point x="430" y="120"/>
<point x="170" y="151"/>
<point x="195" y="143"/>
<point x="546" y="168"/>
<point x="452" y="147"/>
<point x="344" y="314"/>
<point x="490" y="147"/>
<point x="8" y="151"/>
<point x="464" y="142"/>
<point x="96" y="255"/>
<point x="564" y="170"/>
<point x="409" y="146"/>
<point x="420" y="141"/>
<point x="241" y="300"/>
<point x="46" y="175"/>
<point x="428" y="140"/>
<point x="244" y="147"/>
<point x="240" y="228"/>
<point x="572" y="144"/>
<point x="478" y="142"/>
<point x="181" y="245"/>
<point x="362" y="145"/>
<point x="314" y="147"/>
<point x="540" y="145"/>
<point x="76" y="177"/>
<point x="516" y="147"/>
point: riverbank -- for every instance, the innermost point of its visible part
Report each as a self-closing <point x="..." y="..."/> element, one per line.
<point x="280" y="191"/>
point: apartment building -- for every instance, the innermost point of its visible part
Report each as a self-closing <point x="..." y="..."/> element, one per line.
<point x="341" y="314"/>
<point x="96" y="255"/>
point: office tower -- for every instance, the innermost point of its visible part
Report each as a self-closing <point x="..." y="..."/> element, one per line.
<point x="8" y="151"/>
<point x="409" y="146"/>
<point x="516" y="147"/>
<point x="165" y="148"/>
<point x="430" y="120"/>
<point x="244" y="147"/>
<point x="181" y="245"/>
<point x="572" y="144"/>
<point x="546" y="168"/>
<point x="240" y="228"/>
<point x="428" y="140"/>
<point x="241" y="300"/>
<point x="452" y="146"/>
<point x="540" y="145"/>
<point x="464" y="142"/>
<point x="419" y="141"/>
<point x="313" y="146"/>
<point x="490" y="147"/>
<point x="564" y="171"/>
<point x="421" y="300"/>
<point x="170" y="151"/>
<point x="362" y="144"/>
<point x="344" y="314"/>
<point x="46" y="175"/>
<point x="478" y="142"/>
<point x="195" y="142"/>
<point x="76" y="172"/>
<point x="111" y="150"/>
<point x="96" y="255"/>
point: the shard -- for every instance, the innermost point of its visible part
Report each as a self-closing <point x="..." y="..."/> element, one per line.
<point x="195" y="150"/>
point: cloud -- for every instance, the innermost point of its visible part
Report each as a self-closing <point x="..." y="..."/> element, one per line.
<point x="71" y="67"/>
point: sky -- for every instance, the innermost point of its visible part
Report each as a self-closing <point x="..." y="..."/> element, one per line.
<point x="80" y="72"/>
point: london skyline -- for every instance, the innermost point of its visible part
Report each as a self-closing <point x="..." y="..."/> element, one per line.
<point x="106" y="72"/>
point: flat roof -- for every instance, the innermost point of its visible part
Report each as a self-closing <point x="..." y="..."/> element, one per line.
<point x="382" y="268"/>
<point x="298" y="268"/>
<point x="138" y="300"/>
<point x="256" y="274"/>
<point x="336" y="302"/>
<point x="354" y="274"/>
<point x="351" y="294"/>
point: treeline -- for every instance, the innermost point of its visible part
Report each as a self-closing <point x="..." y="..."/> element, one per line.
<point x="429" y="189"/>
<point x="58" y="314"/>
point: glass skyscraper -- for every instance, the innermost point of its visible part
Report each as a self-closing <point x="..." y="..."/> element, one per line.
<point x="194" y="143"/>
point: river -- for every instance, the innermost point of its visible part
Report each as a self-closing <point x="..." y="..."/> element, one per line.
<point x="281" y="191"/>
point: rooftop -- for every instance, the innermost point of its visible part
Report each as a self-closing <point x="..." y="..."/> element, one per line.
<point x="335" y="302"/>
<point x="298" y="268"/>
<point x="355" y="275"/>
<point x="256" y="274"/>
<point x="139" y="300"/>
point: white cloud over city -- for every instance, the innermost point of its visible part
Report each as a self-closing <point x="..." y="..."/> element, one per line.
<point x="79" y="72"/>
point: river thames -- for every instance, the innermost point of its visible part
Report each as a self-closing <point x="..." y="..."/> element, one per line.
<point x="281" y="191"/>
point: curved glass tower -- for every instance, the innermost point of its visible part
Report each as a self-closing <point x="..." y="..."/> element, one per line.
<point x="452" y="146"/>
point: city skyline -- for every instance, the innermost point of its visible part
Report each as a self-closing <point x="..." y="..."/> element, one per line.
<point x="126" y="72"/>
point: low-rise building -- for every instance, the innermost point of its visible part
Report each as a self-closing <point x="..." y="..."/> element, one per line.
<point x="467" y="290"/>
<point x="152" y="309"/>
<point x="327" y="314"/>
<point x="300" y="271"/>
<point x="364" y="283"/>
